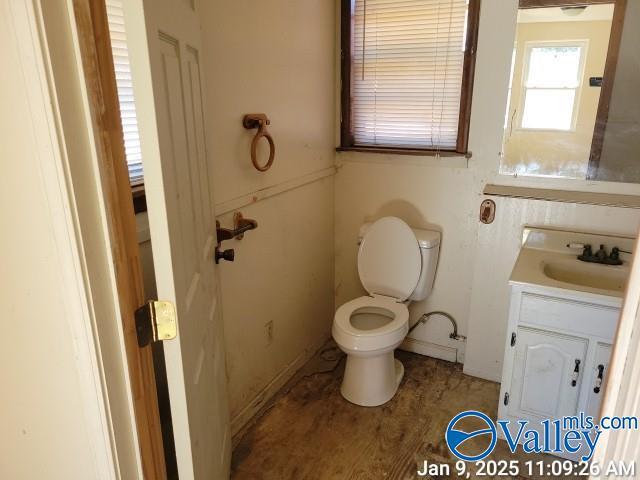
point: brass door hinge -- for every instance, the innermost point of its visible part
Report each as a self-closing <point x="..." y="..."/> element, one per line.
<point x="155" y="321"/>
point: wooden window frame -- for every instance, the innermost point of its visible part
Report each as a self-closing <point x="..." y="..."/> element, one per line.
<point x="347" y="140"/>
<point x="139" y="198"/>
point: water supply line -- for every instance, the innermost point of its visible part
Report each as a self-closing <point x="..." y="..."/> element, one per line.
<point x="425" y="317"/>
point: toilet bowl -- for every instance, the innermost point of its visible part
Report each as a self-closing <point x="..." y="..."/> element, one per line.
<point x="391" y="264"/>
<point x="368" y="330"/>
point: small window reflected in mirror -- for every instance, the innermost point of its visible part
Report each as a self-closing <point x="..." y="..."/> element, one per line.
<point x="569" y="113"/>
<point x="551" y="85"/>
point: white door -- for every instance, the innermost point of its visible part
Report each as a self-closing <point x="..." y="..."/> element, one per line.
<point x="547" y="373"/>
<point x="167" y="73"/>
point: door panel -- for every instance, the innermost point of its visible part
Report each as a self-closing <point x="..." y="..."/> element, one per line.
<point x="542" y="374"/>
<point x="178" y="182"/>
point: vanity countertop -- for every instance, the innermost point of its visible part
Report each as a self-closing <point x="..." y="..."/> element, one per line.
<point x="546" y="261"/>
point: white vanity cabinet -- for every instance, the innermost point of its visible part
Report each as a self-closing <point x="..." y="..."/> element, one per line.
<point x="556" y="354"/>
<point x="544" y="382"/>
<point x="563" y="316"/>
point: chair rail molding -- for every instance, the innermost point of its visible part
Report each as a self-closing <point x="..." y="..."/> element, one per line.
<point x="273" y="190"/>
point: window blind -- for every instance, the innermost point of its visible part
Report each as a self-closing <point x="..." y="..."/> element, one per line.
<point x="406" y="72"/>
<point x="124" y="83"/>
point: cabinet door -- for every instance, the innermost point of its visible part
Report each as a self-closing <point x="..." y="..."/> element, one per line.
<point x="545" y="367"/>
<point x="596" y="377"/>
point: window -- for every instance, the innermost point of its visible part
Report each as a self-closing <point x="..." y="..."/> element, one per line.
<point x="551" y="82"/>
<point x="407" y="74"/>
<point x="125" y="90"/>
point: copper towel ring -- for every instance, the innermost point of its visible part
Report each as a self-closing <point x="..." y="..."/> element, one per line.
<point x="259" y="121"/>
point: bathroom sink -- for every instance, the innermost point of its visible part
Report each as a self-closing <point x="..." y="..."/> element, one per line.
<point x="591" y="275"/>
<point x="546" y="261"/>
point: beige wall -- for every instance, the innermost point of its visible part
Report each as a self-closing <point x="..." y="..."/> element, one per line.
<point x="430" y="197"/>
<point x="54" y="415"/>
<point x="556" y="152"/>
<point x="476" y="260"/>
<point x="274" y="57"/>
<point x="621" y="147"/>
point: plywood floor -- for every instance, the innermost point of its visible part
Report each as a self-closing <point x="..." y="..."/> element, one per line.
<point x="310" y="432"/>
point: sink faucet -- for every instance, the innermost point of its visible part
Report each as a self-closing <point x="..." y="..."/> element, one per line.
<point x="614" y="257"/>
<point x="600" y="256"/>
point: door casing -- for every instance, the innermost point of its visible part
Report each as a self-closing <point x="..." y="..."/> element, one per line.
<point x="97" y="61"/>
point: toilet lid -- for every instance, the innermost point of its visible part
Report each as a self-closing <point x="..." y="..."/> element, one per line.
<point x="389" y="259"/>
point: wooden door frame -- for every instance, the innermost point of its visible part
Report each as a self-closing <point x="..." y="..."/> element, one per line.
<point x="97" y="61"/>
<point x="608" y="79"/>
<point x="621" y="392"/>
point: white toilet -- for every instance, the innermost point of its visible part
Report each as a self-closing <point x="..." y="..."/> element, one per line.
<point x="396" y="264"/>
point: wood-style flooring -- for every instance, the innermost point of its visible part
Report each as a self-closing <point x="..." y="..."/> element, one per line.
<point x="310" y="432"/>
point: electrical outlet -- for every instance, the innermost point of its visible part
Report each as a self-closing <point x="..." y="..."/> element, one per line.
<point x="268" y="330"/>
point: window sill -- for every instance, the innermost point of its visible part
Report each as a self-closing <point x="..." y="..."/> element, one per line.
<point x="555" y="131"/>
<point x="404" y="151"/>
<point x="564" y="196"/>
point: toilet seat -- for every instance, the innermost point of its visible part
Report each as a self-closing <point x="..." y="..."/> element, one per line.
<point x="393" y="332"/>
<point x="389" y="259"/>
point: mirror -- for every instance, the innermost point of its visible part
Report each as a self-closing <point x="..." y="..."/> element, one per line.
<point x="573" y="109"/>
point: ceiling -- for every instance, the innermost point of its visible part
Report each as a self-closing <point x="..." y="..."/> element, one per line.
<point x="591" y="13"/>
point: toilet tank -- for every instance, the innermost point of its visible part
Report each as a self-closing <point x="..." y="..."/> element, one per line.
<point x="429" y="241"/>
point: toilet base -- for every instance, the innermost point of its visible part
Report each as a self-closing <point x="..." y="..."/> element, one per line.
<point x="370" y="381"/>
<point x="399" y="371"/>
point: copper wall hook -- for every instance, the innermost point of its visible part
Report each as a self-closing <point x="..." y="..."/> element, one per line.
<point x="241" y="224"/>
<point x="259" y="121"/>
